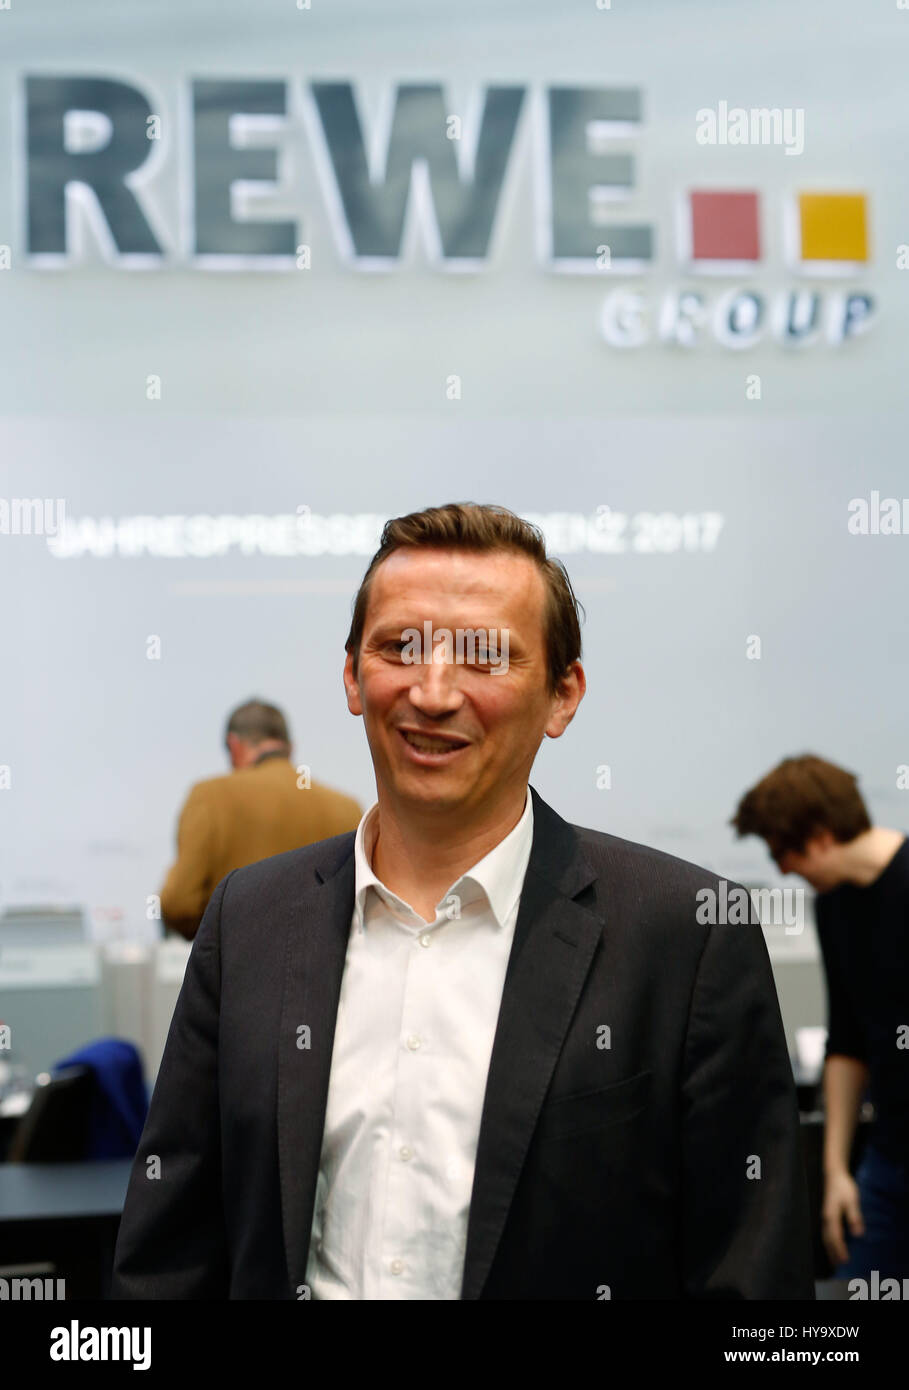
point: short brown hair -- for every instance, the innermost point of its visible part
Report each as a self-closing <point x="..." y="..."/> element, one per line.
<point x="798" y="798"/>
<point x="471" y="526"/>
<point x="256" y="721"/>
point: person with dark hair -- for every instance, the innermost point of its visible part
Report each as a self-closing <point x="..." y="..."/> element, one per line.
<point x="264" y="807"/>
<point x="816" y="824"/>
<point x="470" y="1051"/>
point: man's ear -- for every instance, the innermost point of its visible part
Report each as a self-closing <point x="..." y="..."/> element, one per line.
<point x="570" y="693"/>
<point x="820" y="838"/>
<point x="351" y="687"/>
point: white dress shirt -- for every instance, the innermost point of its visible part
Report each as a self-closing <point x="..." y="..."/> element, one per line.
<point x="416" y="1020"/>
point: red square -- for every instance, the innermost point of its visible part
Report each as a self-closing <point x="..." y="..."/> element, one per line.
<point x="724" y="227"/>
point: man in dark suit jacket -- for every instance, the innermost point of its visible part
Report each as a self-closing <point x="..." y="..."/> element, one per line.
<point x="636" y="1133"/>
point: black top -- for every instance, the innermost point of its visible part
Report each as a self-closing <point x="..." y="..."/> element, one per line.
<point x="864" y="937"/>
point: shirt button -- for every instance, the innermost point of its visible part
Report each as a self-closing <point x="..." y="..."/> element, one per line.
<point x="425" y="939"/>
<point x="405" y="1153"/>
<point x="397" y="1266"/>
<point x="413" y="1042"/>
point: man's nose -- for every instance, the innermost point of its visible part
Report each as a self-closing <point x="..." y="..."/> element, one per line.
<point x="435" y="688"/>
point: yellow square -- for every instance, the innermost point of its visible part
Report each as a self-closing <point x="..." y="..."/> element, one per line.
<point x="833" y="227"/>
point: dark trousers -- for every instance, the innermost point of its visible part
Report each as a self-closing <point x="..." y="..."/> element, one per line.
<point x="884" y="1196"/>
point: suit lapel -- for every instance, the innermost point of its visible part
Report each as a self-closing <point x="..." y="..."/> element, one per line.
<point x="316" y="950"/>
<point x="554" y="943"/>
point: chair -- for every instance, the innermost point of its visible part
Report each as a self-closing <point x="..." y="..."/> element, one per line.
<point x="54" y="1129"/>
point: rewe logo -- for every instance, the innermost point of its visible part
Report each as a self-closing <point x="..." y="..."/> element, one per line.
<point x="102" y="1344"/>
<point x="103" y="160"/>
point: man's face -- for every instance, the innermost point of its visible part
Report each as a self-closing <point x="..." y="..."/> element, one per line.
<point x="492" y="721"/>
<point x="817" y="862"/>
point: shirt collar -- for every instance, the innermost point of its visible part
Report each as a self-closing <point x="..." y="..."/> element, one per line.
<point x="499" y="875"/>
<point x="272" y="753"/>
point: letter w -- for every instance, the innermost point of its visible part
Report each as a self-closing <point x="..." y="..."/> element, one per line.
<point x="458" y="196"/>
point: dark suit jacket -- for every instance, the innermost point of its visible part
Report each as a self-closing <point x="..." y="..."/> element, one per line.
<point x="630" y="1167"/>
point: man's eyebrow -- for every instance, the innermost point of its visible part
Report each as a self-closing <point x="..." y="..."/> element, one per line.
<point x="384" y="632"/>
<point x="380" y="629"/>
<point x="385" y="629"/>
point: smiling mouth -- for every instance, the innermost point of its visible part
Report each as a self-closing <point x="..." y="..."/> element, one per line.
<point x="425" y="743"/>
